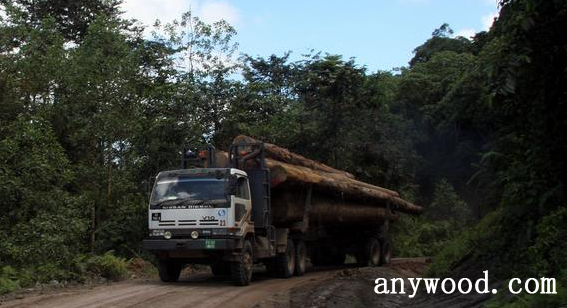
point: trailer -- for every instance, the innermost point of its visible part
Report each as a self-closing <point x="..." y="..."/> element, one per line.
<point x="258" y="203"/>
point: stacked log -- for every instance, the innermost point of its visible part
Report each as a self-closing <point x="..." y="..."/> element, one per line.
<point x="291" y="168"/>
<point x="288" y="208"/>
<point x="284" y="155"/>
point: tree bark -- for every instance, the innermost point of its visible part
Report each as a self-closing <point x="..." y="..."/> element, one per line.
<point x="299" y="173"/>
<point x="284" y="155"/>
<point x="281" y="172"/>
<point x="288" y="208"/>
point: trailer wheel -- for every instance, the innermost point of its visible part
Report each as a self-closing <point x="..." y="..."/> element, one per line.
<point x="284" y="263"/>
<point x="370" y="254"/>
<point x="300" y="257"/>
<point x="169" y="270"/>
<point x="386" y="250"/>
<point x="220" y="268"/>
<point x="241" y="270"/>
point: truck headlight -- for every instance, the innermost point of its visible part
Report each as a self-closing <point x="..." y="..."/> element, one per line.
<point x="194" y="234"/>
<point x="156" y="232"/>
<point x="167" y="235"/>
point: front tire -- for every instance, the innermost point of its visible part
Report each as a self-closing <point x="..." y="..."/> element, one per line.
<point x="169" y="270"/>
<point x="241" y="270"/>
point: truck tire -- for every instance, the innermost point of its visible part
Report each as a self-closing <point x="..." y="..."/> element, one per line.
<point x="284" y="263"/>
<point x="220" y="268"/>
<point x="370" y="255"/>
<point x="300" y="257"/>
<point x="241" y="270"/>
<point x="169" y="270"/>
<point x="386" y="251"/>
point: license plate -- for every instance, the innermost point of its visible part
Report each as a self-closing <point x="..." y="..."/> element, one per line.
<point x="210" y="244"/>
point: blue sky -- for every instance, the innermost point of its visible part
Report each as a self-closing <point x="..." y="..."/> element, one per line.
<point x="380" y="34"/>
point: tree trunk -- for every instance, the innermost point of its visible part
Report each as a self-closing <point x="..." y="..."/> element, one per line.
<point x="284" y="155"/>
<point x="288" y="208"/>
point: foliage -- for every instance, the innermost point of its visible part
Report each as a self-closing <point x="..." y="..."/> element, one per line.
<point x="41" y="220"/>
<point x="446" y="219"/>
<point x="471" y="129"/>
<point x="108" y="266"/>
<point x="8" y="280"/>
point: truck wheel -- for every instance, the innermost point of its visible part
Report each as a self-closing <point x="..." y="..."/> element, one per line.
<point x="285" y="262"/>
<point x="241" y="270"/>
<point x="386" y="250"/>
<point x="169" y="270"/>
<point x="220" y="268"/>
<point x="370" y="254"/>
<point x="300" y="257"/>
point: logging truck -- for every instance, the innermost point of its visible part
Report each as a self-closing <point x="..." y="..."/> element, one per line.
<point x="262" y="204"/>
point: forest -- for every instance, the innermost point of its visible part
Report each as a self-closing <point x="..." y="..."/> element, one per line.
<point x="474" y="130"/>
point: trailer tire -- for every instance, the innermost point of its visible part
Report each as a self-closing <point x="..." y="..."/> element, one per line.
<point x="300" y="257"/>
<point x="370" y="254"/>
<point x="241" y="270"/>
<point x="284" y="263"/>
<point x="220" y="268"/>
<point x="386" y="252"/>
<point x="169" y="270"/>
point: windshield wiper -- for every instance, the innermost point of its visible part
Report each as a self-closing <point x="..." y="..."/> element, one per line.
<point x="159" y="203"/>
<point x="193" y="201"/>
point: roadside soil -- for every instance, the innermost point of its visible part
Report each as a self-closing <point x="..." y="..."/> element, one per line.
<point x="346" y="286"/>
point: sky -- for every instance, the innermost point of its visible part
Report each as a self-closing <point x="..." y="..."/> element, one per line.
<point x="379" y="34"/>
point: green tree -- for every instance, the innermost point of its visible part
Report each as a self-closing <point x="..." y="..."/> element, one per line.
<point x="42" y="222"/>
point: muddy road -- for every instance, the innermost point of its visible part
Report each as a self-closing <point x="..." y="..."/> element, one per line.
<point x="346" y="286"/>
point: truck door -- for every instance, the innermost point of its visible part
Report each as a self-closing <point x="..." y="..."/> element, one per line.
<point x="242" y="202"/>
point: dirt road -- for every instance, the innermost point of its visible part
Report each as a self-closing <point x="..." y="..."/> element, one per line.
<point x="326" y="287"/>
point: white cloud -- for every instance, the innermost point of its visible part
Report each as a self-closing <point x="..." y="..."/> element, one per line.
<point x="147" y="11"/>
<point x="487" y="20"/>
<point x="2" y="13"/>
<point x="211" y="11"/>
<point x="468" y="33"/>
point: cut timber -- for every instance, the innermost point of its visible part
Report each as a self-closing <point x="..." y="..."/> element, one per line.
<point x="281" y="172"/>
<point x="284" y="155"/>
<point x="288" y="208"/>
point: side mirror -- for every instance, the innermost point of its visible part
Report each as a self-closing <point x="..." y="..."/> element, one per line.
<point x="232" y="187"/>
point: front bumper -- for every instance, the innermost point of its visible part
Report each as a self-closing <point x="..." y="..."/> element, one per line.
<point x="156" y="245"/>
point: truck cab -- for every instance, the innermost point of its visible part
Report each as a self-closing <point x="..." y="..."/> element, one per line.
<point x="204" y="214"/>
<point x="201" y="215"/>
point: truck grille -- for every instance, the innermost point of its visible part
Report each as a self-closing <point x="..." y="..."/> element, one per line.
<point x="188" y="222"/>
<point x="208" y="222"/>
<point x="167" y="223"/>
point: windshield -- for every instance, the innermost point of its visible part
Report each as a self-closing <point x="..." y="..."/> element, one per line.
<point x="188" y="189"/>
